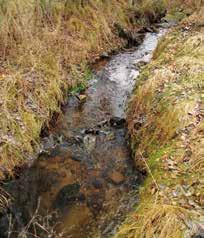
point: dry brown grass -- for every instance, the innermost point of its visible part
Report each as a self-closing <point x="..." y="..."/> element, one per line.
<point x="149" y="10"/>
<point x="157" y="220"/>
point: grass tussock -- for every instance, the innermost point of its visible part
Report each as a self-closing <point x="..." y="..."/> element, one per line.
<point x="149" y="10"/>
<point x="166" y="124"/>
<point x="173" y="10"/>
<point x="157" y="220"/>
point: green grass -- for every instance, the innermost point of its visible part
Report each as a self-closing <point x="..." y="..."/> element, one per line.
<point x="83" y="82"/>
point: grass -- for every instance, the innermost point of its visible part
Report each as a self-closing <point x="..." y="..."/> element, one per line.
<point x="172" y="10"/>
<point x="38" y="226"/>
<point x="166" y="126"/>
<point x="158" y="220"/>
<point x="149" y="10"/>
<point x="81" y="77"/>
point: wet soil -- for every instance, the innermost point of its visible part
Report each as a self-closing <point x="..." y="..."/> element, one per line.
<point x="84" y="171"/>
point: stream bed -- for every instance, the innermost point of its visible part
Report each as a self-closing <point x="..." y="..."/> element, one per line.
<point x="84" y="181"/>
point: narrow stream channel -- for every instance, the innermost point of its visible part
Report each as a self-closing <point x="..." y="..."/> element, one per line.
<point x="85" y="172"/>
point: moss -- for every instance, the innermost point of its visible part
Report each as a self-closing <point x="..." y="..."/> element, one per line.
<point x="81" y="75"/>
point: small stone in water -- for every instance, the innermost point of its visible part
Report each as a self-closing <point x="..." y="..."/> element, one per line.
<point x="116" y="177"/>
<point x="104" y="55"/>
<point x="117" y="122"/>
<point x="82" y="98"/>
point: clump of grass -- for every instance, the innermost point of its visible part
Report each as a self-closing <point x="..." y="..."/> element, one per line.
<point x="80" y="77"/>
<point x="159" y="121"/>
<point x="149" y="11"/>
<point x="156" y="220"/>
<point x="4" y="200"/>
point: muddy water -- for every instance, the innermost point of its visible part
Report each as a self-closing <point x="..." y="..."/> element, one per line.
<point x="84" y="172"/>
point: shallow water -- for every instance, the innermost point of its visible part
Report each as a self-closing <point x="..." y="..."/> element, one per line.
<point x="85" y="171"/>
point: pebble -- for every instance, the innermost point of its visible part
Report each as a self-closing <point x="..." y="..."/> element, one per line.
<point x="82" y="98"/>
<point x="116" y="177"/>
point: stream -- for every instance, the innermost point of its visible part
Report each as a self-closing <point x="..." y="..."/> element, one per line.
<point x="84" y="182"/>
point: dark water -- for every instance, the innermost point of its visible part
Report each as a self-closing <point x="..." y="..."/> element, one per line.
<point x="85" y="171"/>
